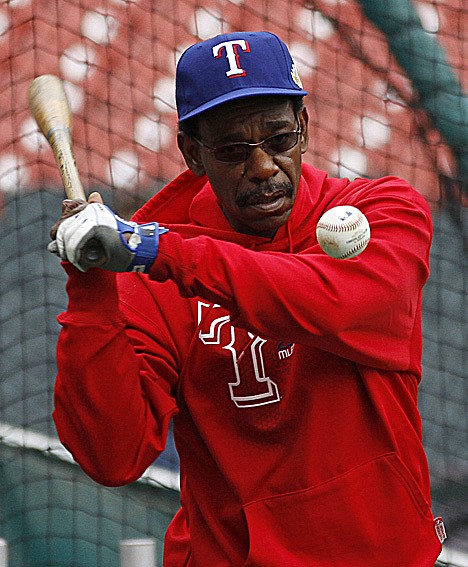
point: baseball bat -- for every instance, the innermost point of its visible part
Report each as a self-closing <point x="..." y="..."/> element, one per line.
<point x="49" y="105"/>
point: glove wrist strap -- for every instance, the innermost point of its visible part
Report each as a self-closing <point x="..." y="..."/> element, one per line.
<point x="146" y="238"/>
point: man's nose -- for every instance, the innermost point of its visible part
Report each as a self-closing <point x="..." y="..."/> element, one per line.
<point x="260" y="165"/>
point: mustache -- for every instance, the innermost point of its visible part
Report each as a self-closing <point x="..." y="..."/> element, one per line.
<point x="265" y="190"/>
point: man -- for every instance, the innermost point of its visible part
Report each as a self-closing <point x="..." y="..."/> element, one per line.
<point x="291" y="377"/>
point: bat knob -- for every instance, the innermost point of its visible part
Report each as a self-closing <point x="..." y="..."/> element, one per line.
<point x="93" y="254"/>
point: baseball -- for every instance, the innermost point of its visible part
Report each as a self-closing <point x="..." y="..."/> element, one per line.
<point x="343" y="232"/>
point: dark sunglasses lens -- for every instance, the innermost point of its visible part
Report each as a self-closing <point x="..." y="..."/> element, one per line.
<point x="236" y="153"/>
<point x="281" y="142"/>
<point x="232" y="153"/>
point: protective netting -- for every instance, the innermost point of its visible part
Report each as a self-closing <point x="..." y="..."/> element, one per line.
<point x="386" y="97"/>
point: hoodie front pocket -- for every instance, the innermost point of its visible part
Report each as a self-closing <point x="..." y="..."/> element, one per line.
<point x="374" y="514"/>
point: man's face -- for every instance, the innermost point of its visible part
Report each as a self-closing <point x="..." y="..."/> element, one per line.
<point x="257" y="194"/>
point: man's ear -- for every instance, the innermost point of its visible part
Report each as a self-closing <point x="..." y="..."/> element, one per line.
<point x="191" y="152"/>
<point x="304" y="122"/>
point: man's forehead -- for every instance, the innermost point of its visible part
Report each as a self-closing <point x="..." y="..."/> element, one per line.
<point x="260" y="108"/>
<point x="241" y="119"/>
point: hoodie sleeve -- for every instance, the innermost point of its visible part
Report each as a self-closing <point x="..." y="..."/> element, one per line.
<point x="108" y="370"/>
<point x="366" y="309"/>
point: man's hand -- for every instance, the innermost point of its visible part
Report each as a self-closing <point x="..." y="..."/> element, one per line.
<point x="72" y="206"/>
<point x="127" y="246"/>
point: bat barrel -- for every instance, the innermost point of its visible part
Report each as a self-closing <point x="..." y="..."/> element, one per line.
<point x="49" y="105"/>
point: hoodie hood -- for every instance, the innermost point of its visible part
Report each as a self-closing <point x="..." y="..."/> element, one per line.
<point x="189" y="206"/>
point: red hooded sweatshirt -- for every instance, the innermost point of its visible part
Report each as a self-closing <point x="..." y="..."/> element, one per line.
<point x="291" y="378"/>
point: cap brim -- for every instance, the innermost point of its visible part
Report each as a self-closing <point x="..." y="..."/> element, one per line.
<point x="241" y="93"/>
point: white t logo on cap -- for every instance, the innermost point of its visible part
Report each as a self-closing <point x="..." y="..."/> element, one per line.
<point x="232" y="55"/>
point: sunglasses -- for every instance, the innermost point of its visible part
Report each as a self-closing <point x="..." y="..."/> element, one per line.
<point x="241" y="151"/>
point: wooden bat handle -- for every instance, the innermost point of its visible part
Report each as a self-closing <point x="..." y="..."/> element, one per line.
<point x="49" y="105"/>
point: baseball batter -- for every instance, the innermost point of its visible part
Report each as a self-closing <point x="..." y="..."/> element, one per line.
<point x="291" y="376"/>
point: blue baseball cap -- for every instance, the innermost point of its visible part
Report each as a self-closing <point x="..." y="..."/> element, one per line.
<point x="232" y="66"/>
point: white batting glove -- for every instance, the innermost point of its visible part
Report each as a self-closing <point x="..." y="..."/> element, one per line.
<point x="99" y="222"/>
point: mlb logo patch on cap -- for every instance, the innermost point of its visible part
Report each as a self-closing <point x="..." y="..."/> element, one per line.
<point x="232" y="66"/>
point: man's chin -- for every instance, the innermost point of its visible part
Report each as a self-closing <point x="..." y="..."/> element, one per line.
<point x="264" y="220"/>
